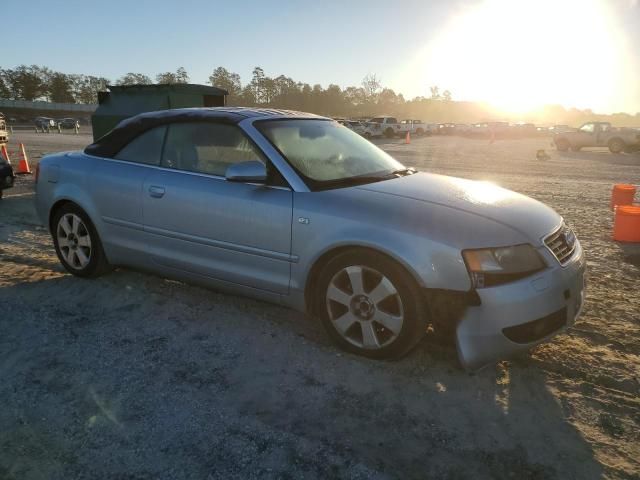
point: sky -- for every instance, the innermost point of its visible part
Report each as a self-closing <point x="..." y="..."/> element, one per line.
<point x="515" y="54"/>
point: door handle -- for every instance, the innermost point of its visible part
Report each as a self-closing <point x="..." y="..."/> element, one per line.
<point x="156" y="192"/>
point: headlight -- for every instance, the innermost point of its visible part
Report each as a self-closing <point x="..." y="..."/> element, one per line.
<point x="489" y="267"/>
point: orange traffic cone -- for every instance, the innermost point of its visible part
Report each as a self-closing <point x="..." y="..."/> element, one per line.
<point x="408" y="138"/>
<point x="5" y="154"/>
<point x="23" y="165"/>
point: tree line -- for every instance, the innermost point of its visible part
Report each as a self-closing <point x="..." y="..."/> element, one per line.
<point x="365" y="100"/>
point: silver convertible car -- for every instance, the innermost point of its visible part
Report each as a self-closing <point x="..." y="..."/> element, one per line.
<point x="296" y="209"/>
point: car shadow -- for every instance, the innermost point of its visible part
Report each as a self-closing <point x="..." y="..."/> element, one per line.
<point x="212" y="383"/>
<point x="604" y="156"/>
<point x="133" y="372"/>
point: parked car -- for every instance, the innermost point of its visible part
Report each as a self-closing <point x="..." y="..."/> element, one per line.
<point x="561" y="129"/>
<point x="389" y="126"/>
<point x="446" y="128"/>
<point x="479" y="130"/>
<point x="417" y="127"/>
<point x="499" y="129"/>
<point x="4" y="134"/>
<point x="354" y="125"/>
<point x="524" y="130"/>
<point x="462" y="129"/>
<point x="6" y="175"/>
<point x="45" y="122"/>
<point x="292" y="208"/>
<point x="68" y="123"/>
<point x="598" y="134"/>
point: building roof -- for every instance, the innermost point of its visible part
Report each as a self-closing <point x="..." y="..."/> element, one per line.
<point x="173" y="87"/>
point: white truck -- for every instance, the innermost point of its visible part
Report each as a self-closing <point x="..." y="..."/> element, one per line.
<point x="387" y="126"/>
<point x="415" y="127"/>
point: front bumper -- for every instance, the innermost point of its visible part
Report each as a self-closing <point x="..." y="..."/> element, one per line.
<point x="516" y="316"/>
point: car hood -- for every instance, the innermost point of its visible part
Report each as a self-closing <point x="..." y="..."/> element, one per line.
<point x="519" y="212"/>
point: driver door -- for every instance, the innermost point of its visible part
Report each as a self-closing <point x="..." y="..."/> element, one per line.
<point x="199" y="222"/>
<point x="586" y="136"/>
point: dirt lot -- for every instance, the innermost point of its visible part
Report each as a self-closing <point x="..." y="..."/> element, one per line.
<point x="134" y="376"/>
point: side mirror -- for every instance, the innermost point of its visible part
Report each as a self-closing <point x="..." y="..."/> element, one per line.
<point x="252" y="171"/>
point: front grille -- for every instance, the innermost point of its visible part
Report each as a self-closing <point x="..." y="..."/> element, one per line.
<point x="562" y="243"/>
<point x="537" y="329"/>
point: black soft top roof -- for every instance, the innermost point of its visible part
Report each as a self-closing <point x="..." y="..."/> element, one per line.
<point x="128" y="129"/>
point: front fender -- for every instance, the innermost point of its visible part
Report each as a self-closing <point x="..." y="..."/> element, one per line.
<point x="432" y="264"/>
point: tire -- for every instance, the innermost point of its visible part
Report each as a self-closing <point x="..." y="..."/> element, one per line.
<point x="420" y="132"/>
<point x="367" y="135"/>
<point x="562" y="144"/>
<point x="369" y="305"/>
<point x="576" y="149"/>
<point x="77" y="243"/>
<point x="616" y="145"/>
<point x="389" y="133"/>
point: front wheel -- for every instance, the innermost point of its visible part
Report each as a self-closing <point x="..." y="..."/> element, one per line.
<point x="77" y="243"/>
<point x="369" y="305"/>
<point x="616" y="145"/>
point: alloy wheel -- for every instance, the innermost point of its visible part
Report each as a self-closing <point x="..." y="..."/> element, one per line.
<point x="364" y="306"/>
<point x="74" y="241"/>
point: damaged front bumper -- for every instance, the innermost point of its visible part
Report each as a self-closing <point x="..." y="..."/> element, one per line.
<point x="521" y="314"/>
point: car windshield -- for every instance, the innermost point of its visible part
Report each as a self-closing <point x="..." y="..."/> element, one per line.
<point x="328" y="155"/>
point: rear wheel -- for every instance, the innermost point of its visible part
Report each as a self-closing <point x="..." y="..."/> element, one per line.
<point x="77" y="243"/>
<point x="616" y="145"/>
<point x="389" y="133"/>
<point x="369" y="305"/>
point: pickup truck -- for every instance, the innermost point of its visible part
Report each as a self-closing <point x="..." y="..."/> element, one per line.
<point x="389" y="126"/>
<point x="598" y="134"/>
<point x="417" y="127"/>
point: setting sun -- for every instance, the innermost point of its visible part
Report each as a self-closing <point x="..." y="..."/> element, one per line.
<point x="520" y="55"/>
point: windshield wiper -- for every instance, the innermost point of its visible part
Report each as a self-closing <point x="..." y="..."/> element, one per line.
<point x="360" y="179"/>
<point x="403" y="171"/>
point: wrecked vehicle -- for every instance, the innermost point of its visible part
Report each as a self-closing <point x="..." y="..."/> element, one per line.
<point x="292" y="208"/>
<point x="598" y="134"/>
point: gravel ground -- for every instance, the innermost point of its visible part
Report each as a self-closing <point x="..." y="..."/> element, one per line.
<point x="134" y="376"/>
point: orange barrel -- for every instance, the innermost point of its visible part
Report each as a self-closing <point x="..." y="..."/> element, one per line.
<point x="626" y="227"/>
<point x="622" y="195"/>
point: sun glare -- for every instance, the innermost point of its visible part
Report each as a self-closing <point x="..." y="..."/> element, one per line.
<point x="518" y="55"/>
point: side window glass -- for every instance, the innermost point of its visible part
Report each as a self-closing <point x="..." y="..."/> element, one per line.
<point x="588" y="128"/>
<point x="207" y="148"/>
<point x="145" y="148"/>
